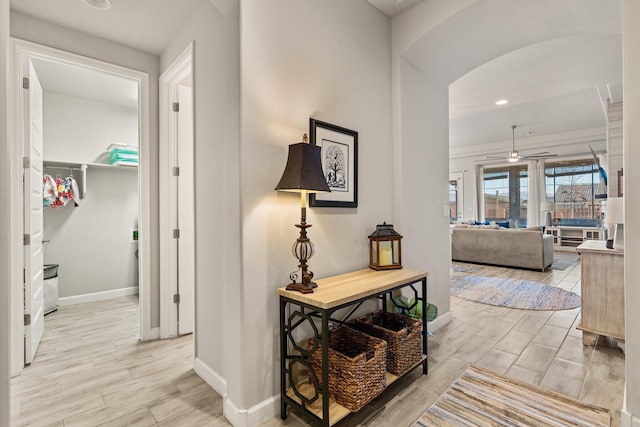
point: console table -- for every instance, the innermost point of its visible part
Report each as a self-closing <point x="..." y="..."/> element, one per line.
<point x="602" y="282"/>
<point x="332" y="294"/>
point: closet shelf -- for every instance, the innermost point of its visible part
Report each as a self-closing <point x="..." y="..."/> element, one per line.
<point x="62" y="164"/>
<point x="82" y="167"/>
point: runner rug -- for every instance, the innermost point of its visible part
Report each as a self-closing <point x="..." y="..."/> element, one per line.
<point x="480" y="398"/>
<point x="513" y="293"/>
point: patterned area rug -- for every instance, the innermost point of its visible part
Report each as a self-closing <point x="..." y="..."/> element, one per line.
<point x="513" y="293"/>
<point x="480" y="398"/>
<point x="463" y="267"/>
<point x="564" y="260"/>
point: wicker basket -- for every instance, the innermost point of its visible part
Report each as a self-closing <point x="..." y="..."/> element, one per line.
<point x="356" y="367"/>
<point x="403" y="335"/>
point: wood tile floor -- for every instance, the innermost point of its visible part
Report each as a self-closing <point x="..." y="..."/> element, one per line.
<point x="91" y="370"/>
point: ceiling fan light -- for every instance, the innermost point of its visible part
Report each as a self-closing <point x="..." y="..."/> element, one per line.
<point x="513" y="159"/>
<point x="502" y="102"/>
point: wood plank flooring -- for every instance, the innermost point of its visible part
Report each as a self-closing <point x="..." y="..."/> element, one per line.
<point x="91" y="370"/>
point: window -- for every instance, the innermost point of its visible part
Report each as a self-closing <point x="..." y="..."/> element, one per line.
<point x="506" y="194"/>
<point x="573" y="187"/>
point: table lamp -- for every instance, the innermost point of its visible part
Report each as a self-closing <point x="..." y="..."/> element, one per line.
<point x="303" y="174"/>
<point x="613" y="216"/>
<point x="547" y="208"/>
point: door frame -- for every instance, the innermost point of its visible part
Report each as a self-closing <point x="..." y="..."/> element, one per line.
<point x="181" y="68"/>
<point x="21" y="49"/>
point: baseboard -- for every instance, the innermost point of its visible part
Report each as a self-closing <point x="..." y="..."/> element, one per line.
<point x="626" y="418"/>
<point x="440" y="321"/>
<point x="97" y="296"/>
<point x="154" y="334"/>
<point x="253" y="416"/>
<point x="211" y="377"/>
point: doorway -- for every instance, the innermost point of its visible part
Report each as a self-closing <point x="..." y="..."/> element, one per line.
<point x="24" y="53"/>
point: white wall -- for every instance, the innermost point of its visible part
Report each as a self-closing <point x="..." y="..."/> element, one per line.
<point x="421" y="147"/>
<point x="300" y="58"/>
<point x="631" y="147"/>
<point x="422" y="191"/>
<point x="5" y="246"/>
<point x="80" y="130"/>
<point x="38" y="31"/>
<point x="91" y="242"/>
<point x="216" y="73"/>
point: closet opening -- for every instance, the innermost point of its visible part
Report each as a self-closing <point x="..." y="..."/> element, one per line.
<point x="83" y="144"/>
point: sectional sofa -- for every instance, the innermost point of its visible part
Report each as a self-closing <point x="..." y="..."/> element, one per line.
<point x="519" y="247"/>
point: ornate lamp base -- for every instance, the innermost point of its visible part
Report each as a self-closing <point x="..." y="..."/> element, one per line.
<point x="305" y="288"/>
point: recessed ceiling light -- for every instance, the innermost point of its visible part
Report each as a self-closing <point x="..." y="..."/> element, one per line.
<point x="501" y="102"/>
<point x="99" y="4"/>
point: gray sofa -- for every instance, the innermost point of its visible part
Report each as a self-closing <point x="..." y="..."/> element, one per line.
<point x="522" y="248"/>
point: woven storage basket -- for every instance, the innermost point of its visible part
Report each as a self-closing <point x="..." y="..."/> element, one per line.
<point x="403" y="335"/>
<point x="357" y="364"/>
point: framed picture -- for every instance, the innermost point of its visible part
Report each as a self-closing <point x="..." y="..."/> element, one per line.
<point x="339" y="164"/>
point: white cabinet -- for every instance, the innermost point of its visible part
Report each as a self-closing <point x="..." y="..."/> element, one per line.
<point x="568" y="238"/>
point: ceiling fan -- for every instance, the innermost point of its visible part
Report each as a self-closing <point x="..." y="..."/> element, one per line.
<point x="513" y="155"/>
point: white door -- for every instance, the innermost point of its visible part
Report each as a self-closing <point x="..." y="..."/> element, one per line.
<point x="185" y="203"/>
<point x="33" y="211"/>
<point x="177" y="218"/>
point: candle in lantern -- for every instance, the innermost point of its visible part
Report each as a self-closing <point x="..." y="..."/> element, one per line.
<point x="385" y="256"/>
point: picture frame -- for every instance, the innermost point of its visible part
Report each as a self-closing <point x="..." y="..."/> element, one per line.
<point x="339" y="164"/>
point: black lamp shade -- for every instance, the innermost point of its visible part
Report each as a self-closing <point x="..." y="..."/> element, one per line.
<point x="303" y="170"/>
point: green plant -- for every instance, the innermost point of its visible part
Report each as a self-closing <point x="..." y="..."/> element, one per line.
<point x="407" y="306"/>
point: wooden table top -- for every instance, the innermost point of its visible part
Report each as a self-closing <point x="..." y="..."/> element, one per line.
<point x="345" y="288"/>
<point x="598" y="246"/>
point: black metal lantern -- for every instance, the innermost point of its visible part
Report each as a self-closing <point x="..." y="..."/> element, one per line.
<point x="385" y="249"/>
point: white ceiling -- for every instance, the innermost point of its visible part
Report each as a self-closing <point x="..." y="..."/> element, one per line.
<point x="85" y="83"/>
<point x="553" y="87"/>
<point x="147" y="25"/>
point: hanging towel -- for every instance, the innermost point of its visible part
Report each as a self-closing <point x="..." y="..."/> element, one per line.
<point x="75" y="191"/>
<point x="49" y="190"/>
<point x="64" y="192"/>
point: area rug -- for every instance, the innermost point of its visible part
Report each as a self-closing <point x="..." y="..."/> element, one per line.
<point x="461" y="267"/>
<point x="513" y="293"/>
<point x="564" y="260"/>
<point x="481" y="398"/>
